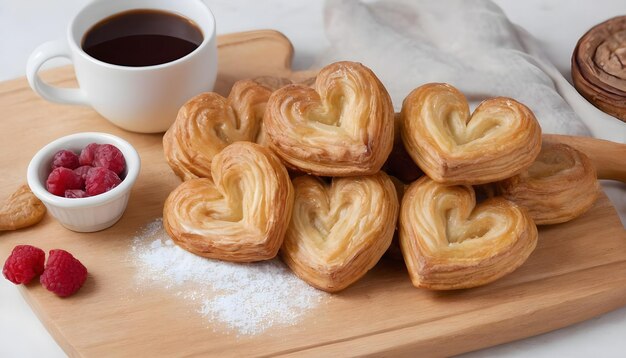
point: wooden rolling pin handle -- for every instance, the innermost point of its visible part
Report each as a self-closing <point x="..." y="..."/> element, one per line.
<point x="608" y="157"/>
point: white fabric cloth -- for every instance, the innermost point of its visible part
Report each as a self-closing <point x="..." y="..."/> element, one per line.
<point x="468" y="43"/>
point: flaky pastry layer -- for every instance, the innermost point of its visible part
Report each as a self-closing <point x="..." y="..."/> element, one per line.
<point x="339" y="231"/>
<point x="449" y="242"/>
<point x="241" y="215"/>
<point x="208" y="122"/>
<point x="559" y="186"/>
<point x="343" y="126"/>
<point x="500" y="139"/>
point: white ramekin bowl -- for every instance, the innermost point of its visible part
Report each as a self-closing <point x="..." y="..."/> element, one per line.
<point x="84" y="214"/>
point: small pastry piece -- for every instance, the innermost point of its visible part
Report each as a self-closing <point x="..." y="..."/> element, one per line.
<point x="21" y="209"/>
<point x="599" y="66"/>
<point x="339" y="231"/>
<point x="449" y="242"/>
<point x="341" y="127"/>
<point x="559" y="186"/>
<point x="500" y="139"/>
<point x="207" y="123"/>
<point x="241" y="215"/>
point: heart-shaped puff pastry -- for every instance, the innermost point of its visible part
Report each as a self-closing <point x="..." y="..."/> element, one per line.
<point x="241" y="215"/>
<point x="500" y="139"/>
<point x="559" y="186"/>
<point x="339" y="231"/>
<point x="341" y="127"/>
<point x="450" y="243"/>
<point x="208" y="122"/>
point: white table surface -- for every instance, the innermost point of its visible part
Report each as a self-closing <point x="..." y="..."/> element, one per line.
<point x="556" y="23"/>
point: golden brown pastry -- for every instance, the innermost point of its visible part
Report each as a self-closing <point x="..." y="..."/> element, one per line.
<point x="500" y="139"/>
<point x="341" y="127"/>
<point x="599" y="66"/>
<point x="449" y="242"/>
<point x="207" y="123"/>
<point x="339" y="231"/>
<point x="21" y="209"/>
<point x="559" y="186"/>
<point x="240" y="215"/>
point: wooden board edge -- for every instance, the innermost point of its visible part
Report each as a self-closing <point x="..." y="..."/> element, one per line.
<point x="410" y="341"/>
<point x="48" y="323"/>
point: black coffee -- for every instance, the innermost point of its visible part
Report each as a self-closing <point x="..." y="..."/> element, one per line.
<point x="142" y="38"/>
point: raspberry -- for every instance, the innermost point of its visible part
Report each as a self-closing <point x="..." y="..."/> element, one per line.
<point x="75" y="193"/>
<point x="65" y="159"/>
<point x="24" y="263"/>
<point x="61" y="179"/>
<point x="88" y="153"/>
<point x="82" y="173"/>
<point x="108" y="156"/>
<point x="100" y="180"/>
<point x="64" y="274"/>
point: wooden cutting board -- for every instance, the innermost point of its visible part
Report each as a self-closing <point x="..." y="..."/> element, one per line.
<point x="577" y="272"/>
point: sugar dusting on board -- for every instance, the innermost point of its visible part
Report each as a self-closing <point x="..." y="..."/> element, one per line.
<point x="248" y="298"/>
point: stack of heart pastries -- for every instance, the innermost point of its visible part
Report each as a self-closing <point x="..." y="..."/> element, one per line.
<point x="295" y="170"/>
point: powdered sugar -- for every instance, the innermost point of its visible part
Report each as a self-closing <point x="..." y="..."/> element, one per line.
<point x="248" y="298"/>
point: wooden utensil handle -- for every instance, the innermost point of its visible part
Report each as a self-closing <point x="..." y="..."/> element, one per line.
<point x="608" y="157"/>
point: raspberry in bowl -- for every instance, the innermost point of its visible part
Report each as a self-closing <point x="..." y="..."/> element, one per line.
<point x="101" y="166"/>
<point x="85" y="179"/>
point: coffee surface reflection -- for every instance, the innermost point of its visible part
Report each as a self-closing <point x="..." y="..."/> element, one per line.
<point x="138" y="38"/>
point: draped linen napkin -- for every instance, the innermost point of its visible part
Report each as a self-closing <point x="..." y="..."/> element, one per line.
<point x="470" y="44"/>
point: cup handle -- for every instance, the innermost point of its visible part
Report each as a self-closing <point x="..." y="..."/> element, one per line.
<point x="42" y="54"/>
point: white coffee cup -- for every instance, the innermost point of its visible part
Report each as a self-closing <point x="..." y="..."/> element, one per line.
<point x="139" y="99"/>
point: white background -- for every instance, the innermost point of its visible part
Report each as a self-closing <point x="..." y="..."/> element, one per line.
<point x="556" y="23"/>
